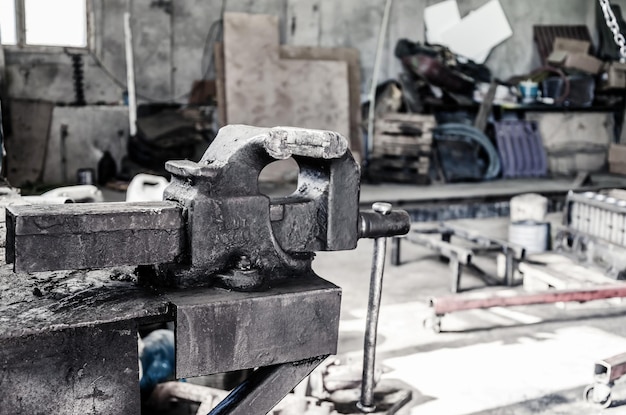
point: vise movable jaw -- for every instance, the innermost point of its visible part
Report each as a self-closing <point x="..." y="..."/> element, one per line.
<point x="214" y="224"/>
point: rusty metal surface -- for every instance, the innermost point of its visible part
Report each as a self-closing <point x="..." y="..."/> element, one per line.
<point x="72" y="371"/>
<point x="32" y="304"/>
<point x="610" y="369"/>
<point x="68" y="341"/>
<point x="92" y="235"/>
<point x="74" y="334"/>
<point x="220" y="331"/>
<point x="215" y="224"/>
<point x="224" y="202"/>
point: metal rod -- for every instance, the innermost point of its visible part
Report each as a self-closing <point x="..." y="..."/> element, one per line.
<point x="471" y="301"/>
<point x="265" y="387"/>
<point x="130" y="76"/>
<point x="509" y="265"/>
<point x="372" y="96"/>
<point x="395" y="251"/>
<point x="366" y="403"/>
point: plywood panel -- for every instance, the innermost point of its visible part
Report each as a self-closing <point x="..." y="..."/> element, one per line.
<point x="264" y="90"/>
<point x="351" y="57"/>
<point x="26" y="147"/>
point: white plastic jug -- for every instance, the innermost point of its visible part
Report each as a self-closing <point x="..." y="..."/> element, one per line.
<point x="146" y="188"/>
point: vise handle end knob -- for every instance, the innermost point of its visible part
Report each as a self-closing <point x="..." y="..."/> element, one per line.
<point x="383" y="221"/>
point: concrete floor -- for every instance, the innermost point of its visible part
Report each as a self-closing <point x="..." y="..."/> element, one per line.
<point x="522" y="360"/>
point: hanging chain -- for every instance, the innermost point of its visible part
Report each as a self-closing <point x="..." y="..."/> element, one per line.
<point x="611" y="23"/>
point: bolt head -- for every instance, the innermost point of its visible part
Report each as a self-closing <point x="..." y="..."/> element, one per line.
<point x="244" y="263"/>
<point x="383" y="208"/>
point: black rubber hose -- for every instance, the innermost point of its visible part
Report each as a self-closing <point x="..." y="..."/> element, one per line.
<point x="463" y="132"/>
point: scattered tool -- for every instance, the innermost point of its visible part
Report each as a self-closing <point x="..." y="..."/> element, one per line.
<point x="214" y="229"/>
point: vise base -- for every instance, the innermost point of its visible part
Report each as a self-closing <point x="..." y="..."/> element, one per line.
<point x="68" y="340"/>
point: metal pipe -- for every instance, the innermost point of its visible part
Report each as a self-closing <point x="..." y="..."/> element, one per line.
<point x="265" y="388"/>
<point x="130" y="76"/>
<point x="366" y="403"/>
<point x="610" y="369"/>
<point x="395" y="251"/>
<point x="372" y="96"/>
<point x="450" y="304"/>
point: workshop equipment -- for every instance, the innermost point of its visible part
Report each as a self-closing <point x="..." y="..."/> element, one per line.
<point x="214" y="229"/>
<point x="460" y="256"/>
<point x="402" y="148"/>
<point x="594" y="230"/>
<point x="520" y="149"/>
<point x="510" y="298"/>
<point x="605" y="373"/>
<point x="366" y="403"/>
<point x="460" y="149"/>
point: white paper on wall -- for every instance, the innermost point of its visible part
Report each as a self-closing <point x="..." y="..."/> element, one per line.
<point x="477" y="33"/>
<point x="439" y="18"/>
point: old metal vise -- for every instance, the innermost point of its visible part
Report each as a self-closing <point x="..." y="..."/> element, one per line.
<point x="213" y="228"/>
<point x="214" y="222"/>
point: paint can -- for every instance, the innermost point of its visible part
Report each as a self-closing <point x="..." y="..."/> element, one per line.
<point x="533" y="236"/>
<point x="85" y="176"/>
<point x="529" y="91"/>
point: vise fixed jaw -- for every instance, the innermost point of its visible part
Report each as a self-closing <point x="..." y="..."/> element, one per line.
<point x="214" y="223"/>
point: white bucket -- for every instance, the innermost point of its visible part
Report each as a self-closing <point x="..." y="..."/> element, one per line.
<point x="533" y="236"/>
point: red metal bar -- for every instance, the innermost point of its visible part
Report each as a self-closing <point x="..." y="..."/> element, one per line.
<point x="509" y="298"/>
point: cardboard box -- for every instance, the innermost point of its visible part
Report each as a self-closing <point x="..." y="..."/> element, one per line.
<point x="617" y="158"/>
<point x="616" y="75"/>
<point x="571" y="45"/>
<point x="557" y="57"/>
<point x="583" y="62"/>
<point x="573" y="54"/>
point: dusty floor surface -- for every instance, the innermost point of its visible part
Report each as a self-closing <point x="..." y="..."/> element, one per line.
<point x="522" y="360"/>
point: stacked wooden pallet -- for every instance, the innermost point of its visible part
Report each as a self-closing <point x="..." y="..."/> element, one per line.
<point x="402" y="148"/>
<point x="556" y="271"/>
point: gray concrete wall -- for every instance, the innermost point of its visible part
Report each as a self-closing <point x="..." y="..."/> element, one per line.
<point x="171" y="50"/>
<point x="517" y="55"/>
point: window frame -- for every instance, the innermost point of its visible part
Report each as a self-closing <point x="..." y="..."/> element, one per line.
<point x="20" y="33"/>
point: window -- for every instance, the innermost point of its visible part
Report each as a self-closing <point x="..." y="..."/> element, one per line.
<point x="44" y="23"/>
<point x="7" y="22"/>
